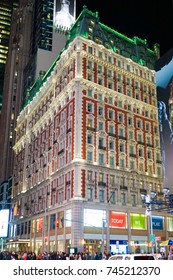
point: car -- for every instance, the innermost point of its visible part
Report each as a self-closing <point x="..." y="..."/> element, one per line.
<point x="131" y="257"/>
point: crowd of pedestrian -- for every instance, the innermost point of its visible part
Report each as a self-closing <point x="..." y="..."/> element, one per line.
<point x="6" y="255"/>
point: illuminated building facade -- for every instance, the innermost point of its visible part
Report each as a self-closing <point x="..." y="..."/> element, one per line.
<point x="6" y="8"/>
<point x="88" y="145"/>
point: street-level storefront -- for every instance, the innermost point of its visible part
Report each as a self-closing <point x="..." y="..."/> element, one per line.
<point x="118" y="232"/>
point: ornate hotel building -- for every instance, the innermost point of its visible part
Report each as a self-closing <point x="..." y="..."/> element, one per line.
<point x="88" y="146"/>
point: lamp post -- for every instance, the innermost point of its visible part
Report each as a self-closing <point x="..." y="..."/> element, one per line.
<point x="103" y="238"/>
<point x="148" y="199"/>
<point x="151" y="203"/>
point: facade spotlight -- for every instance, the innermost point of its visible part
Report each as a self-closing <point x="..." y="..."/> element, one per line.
<point x="166" y="191"/>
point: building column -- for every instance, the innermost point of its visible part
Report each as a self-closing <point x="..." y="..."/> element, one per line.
<point x="77" y="225"/>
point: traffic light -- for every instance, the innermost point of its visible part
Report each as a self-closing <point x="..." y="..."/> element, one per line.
<point x="57" y="223"/>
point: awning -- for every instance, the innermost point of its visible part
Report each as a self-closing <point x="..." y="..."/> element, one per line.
<point x="166" y="243"/>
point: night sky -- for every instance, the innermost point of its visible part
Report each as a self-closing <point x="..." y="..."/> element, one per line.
<point x="148" y="19"/>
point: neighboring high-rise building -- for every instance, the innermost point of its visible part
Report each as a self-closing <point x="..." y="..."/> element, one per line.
<point x="18" y="57"/>
<point x="35" y="43"/>
<point x="48" y="39"/>
<point x="88" y="145"/>
<point x="6" y="9"/>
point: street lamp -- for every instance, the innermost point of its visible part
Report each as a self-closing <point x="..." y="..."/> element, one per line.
<point x="147" y="199"/>
<point x="152" y="203"/>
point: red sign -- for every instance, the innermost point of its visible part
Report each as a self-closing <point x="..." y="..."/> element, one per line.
<point x="158" y="238"/>
<point x="117" y="219"/>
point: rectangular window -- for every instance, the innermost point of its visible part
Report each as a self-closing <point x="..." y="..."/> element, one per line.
<point x="133" y="199"/>
<point x="90" y="107"/>
<point x="122" y="149"/>
<point x="100" y="111"/>
<point x="99" y="68"/>
<point x="132" y="165"/>
<point x="90" y="64"/>
<point x="111" y="145"/>
<point x="90" y="50"/>
<point x="122" y="163"/>
<point x="123" y="198"/>
<point x="100" y="97"/>
<point x="100" y="81"/>
<point x="89" y="122"/>
<point x="89" y="156"/>
<point x="89" y="175"/>
<point x="147" y="127"/>
<point x="52" y="221"/>
<point x="111" y="160"/>
<point x="90" y="139"/>
<point x="101" y="126"/>
<point x="101" y="195"/>
<point x="110" y="85"/>
<point x="129" y="93"/>
<point x="130" y="121"/>
<point x="110" y="100"/>
<point x="112" y="197"/>
<point x="111" y="114"/>
<point x="100" y="55"/>
<point x="121" y="132"/>
<point x="111" y="129"/>
<point x="90" y="92"/>
<point x="131" y="135"/>
<point x="101" y="158"/>
<point x="120" y="117"/>
<point x="139" y="124"/>
<point x="109" y="73"/>
<point x="112" y="179"/>
<point x="90" y="193"/>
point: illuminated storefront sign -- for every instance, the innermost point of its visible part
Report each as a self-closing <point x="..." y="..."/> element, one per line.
<point x="138" y="221"/>
<point x="157" y="222"/>
<point x="117" y="219"/>
<point x="94" y="218"/>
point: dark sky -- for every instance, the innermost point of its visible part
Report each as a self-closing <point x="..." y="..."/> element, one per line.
<point x="149" y="19"/>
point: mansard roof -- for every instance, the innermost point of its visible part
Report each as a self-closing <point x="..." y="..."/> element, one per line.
<point x="88" y="25"/>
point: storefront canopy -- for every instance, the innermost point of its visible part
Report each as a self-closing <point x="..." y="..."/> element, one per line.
<point x="166" y="243"/>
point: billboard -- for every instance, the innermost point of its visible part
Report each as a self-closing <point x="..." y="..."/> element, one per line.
<point x="117" y="219"/>
<point x="64" y="13"/>
<point x="94" y="218"/>
<point x="138" y="221"/>
<point x="157" y="222"/>
<point x="4" y="217"/>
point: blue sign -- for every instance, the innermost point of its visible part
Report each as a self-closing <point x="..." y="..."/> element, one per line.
<point x="120" y="242"/>
<point x="157" y="222"/>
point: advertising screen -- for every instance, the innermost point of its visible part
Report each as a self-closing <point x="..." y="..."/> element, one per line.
<point x="157" y="222"/>
<point x="138" y="221"/>
<point x="4" y="217"/>
<point x="64" y="12"/>
<point x="117" y="219"/>
<point x="94" y="218"/>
